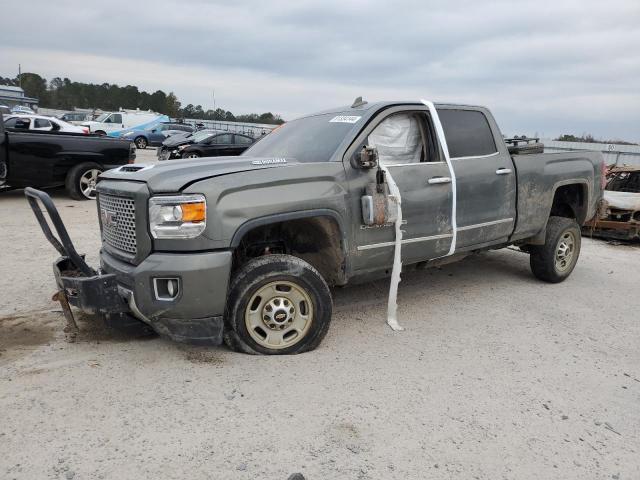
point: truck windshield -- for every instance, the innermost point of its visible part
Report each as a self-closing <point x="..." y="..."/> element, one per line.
<point x="102" y="117"/>
<point x="308" y="139"/>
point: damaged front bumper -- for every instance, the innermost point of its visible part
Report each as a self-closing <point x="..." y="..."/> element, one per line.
<point x="119" y="290"/>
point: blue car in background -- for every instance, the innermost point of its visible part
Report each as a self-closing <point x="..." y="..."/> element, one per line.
<point x="154" y="135"/>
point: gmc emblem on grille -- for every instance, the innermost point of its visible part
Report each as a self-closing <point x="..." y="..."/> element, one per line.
<point x="109" y="218"/>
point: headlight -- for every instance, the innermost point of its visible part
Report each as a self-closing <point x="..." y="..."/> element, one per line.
<point x="180" y="216"/>
<point x="182" y="147"/>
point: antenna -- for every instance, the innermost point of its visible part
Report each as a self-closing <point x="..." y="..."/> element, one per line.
<point x="358" y="102"/>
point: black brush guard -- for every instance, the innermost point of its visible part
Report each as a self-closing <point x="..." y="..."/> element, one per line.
<point x="78" y="283"/>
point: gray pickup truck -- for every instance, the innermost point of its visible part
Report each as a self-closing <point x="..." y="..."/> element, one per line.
<point x="244" y="249"/>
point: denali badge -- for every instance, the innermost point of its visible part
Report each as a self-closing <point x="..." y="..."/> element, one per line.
<point x="108" y="218"/>
<point x="268" y="161"/>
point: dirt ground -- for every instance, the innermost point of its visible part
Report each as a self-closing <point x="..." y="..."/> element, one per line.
<point x="496" y="376"/>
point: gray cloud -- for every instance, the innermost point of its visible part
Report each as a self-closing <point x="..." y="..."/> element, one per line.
<point x="542" y="66"/>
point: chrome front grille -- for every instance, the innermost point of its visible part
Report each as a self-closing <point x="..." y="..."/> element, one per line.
<point x="118" y="219"/>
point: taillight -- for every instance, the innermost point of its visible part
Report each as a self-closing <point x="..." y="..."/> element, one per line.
<point x="603" y="175"/>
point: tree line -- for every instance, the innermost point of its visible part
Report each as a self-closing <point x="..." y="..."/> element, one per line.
<point x="588" y="138"/>
<point x="62" y="93"/>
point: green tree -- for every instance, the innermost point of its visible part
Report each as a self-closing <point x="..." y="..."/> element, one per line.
<point x="33" y="85"/>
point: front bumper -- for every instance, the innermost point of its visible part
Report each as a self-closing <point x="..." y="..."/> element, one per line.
<point x="193" y="315"/>
<point x="165" y="153"/>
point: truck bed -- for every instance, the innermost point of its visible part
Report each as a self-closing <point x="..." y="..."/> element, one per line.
<point x="541" y="175"/>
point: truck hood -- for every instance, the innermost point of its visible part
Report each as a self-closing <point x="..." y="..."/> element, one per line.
<point x="175" y="140"/>
<point x="173" y="176"/>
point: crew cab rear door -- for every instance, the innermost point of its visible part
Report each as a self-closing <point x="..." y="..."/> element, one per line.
<point x="485" y="176"/>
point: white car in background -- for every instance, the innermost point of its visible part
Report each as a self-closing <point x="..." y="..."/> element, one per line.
<point x="116" y="123"/>
<point x="43" y="123"/>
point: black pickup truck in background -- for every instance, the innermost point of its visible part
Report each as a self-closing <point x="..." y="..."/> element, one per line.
<point x="30" y="158"/>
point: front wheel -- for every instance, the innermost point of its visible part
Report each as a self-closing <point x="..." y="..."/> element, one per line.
<point x="141" y="143"/>
<point x="278" y="305"/>
<point x="554" y="261"/>
<point x="191" y="155"/>
<point x="81" y="181"/>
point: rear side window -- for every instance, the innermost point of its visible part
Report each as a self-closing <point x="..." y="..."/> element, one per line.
<point x="242" y="140"/>
<point x="467" y="132"/>
<point x="41" y="123"/>
<point x="224" y="139"/>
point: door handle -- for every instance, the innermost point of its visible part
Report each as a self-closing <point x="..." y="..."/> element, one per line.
<point x="439" y="180"/>
<point x="503" y="171"/>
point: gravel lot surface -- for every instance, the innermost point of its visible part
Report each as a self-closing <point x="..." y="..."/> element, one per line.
<point x="496" y="376"/>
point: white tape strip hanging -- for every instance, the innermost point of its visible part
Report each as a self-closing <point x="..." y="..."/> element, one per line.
<point x="392" y="303"/>
<point x="443" y="143"/>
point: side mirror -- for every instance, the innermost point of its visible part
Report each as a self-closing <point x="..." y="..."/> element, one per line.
<point x="154" y="130"/>
<point x="367" y="158"/>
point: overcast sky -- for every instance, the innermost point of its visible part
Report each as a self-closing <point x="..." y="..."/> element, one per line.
<point x="545" y="67"/>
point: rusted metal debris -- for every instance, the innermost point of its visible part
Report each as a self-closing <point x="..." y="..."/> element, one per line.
<point x="71" y="328"/>
<point x="619" y="214"/>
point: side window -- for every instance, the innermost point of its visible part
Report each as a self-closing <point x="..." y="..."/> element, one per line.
<point x="18" y="122"/>
<point x="41" y="123"/>
<point x="467" y="132"/>
<point x="116" y="118"/>
<point x="399" y="139"/>
<point x="224" y="139"/>
<point x="242" y="140"/>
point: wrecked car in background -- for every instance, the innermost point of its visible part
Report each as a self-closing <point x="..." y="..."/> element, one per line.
<point x="620" y="210"/>
<point x="244" y="249"/>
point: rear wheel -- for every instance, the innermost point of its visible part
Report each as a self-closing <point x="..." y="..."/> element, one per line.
<point x="278" y="304"/>
<point x="141" y="143"/>
<point x="555" y="260"/>
<point x="81" y="181"/>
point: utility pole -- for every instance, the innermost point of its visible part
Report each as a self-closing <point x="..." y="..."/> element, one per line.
<point x="214" y="100"/>
<point x="19" y="75"/>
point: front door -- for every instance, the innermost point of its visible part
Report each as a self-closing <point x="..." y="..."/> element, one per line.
<point x="407" y="146"/>
<point x="221" y="145"/>
<point x="113" y="122"/>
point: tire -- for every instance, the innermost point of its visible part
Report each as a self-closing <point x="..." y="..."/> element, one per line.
<point x="191" y="155"/>
<point x="263" y="317"/>
<point x="101" y="133"/>
<point x="554" y="261"/>
<point x="81" y="180"/>
<point x="141" y="143"/>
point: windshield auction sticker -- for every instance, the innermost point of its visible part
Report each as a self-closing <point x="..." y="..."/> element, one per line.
<point x="345" y="119"/>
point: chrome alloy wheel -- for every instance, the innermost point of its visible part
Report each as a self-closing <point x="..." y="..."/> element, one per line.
<point x="565" y="251"/>
<point x="279" y="315"/>
<point x="88" y="182"/>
